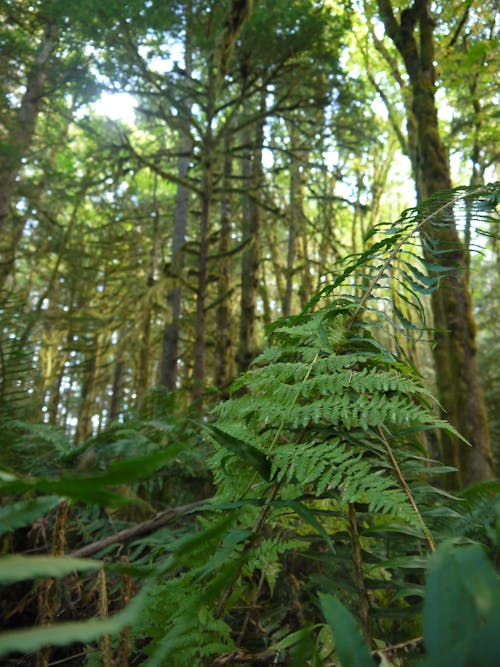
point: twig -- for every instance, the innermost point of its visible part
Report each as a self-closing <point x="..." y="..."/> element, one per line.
<point x="143" y="528"/>
<point x="243" y="656"/>
<point x="358" y="573"/>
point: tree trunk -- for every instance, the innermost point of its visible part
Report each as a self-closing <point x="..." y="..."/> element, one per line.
<point x="207" y="184"/>
<point x="116" y="392"/>
<point x="457" y="374"/>
<point x="170" y="353"/>
<point x="251" y="168"/>
<point x="293" y="221"/>
<point x="297" y="232"/>
<point x="18" y="142"/>
<point x="89" y="382"/>
<point x="223" y="344"/>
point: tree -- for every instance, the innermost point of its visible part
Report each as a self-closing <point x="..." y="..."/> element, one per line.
<point x="457" y="374"/>
<point x="21" y="125"/>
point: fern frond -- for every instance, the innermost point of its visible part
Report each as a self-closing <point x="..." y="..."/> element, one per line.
<point x="394" y="263"/>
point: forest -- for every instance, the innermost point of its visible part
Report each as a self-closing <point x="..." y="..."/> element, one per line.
<point x="249" y="343"/>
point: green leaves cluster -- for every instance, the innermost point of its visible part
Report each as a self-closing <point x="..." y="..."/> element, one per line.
<point x="319" y="457"/>
<point x="461" y="614"/>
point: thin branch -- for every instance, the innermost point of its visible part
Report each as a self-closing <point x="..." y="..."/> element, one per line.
<point x="358" y="573"/>
<point x="140" y="529"/>
<point x="460" y="25"/>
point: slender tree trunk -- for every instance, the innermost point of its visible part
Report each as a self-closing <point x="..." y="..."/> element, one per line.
<point x="116" y="392"/>
<point x="270" y="239"/>
<point x="203" y="245"/>
<point x="18" y="141"/>
<point x="170" y="352"/>
<point x="53" y="359"/>
<point x="144" y="361"/>
<point x="297" y="236"/>
<point x="290" y="265"/>
<point x="267" y="313"/>
<point x="457" y="373"/>
<point x="477" y="176"/>
<point x="144" y="365"/>
<point x="91" y="366"/>
<point x="292" y="222"/>
<point x="223" y="344"/>
<point x="252" y="177"/>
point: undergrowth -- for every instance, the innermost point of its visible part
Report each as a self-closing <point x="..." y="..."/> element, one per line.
<point x="324" y="499"/>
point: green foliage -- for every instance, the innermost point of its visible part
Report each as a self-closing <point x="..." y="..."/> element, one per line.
<point x="321" y="403"/>
<point x="461" y="613"/>
<point x="17" y="515"/>
<point x="92" y="488"/>
<point x="17" y="568"/>
<point x="319" y="459"/>
<point x="349" y="645"/>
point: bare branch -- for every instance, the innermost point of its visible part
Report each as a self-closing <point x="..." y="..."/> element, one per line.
<point x="140" y="529"/>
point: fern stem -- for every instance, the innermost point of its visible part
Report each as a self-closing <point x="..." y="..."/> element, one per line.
<point x="358" y="573"/>
<point x="105" y="641"/>
<point x="253" y="606"/>
<point x="407" y="490"/>
<point x="256" y="533"/>
<point x="288" y="413"/>
<point x="292" y="404"/>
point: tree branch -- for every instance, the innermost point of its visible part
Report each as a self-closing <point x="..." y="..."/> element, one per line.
<point x="460" y="25"/>
<point x="140" y="529"/>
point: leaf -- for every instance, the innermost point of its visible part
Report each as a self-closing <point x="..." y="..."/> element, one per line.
<point x="308" y="516"/>
<point x="60" y="634"/>
<point x="449" y="609"/>
<point x="131" y="469"/>
<point x="24" y="512"/>
<point x="349" y="645"/>
<point x="18" y="567"/>
<point x="248" y="453"/>
<point x="294" y="638"/>
<point x="91" y="488"/>
<point x="85" y="489"/>
<point x="191" y="543"/>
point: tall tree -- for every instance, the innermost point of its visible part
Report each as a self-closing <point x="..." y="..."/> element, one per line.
<point x="457" y="373"/>
<point x="170" y="352"/>
<point x="251" y="169"/>
<point x="20" y="132"/>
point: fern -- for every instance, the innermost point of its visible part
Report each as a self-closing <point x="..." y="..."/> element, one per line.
<point x="318" y="450"/>
<point x="338" y="411"/>
<point x="315" y="410"/>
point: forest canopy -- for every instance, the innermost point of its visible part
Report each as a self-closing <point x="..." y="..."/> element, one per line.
<point x="249" y="354"/>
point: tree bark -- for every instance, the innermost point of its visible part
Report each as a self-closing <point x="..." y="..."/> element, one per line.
<point x="223" y="344"/>
<point x="251" y="167"/>
<point x="207" y="185"/>
<point x="293" y="220"/>
<point x="89" y="384"/>
<point x="116" y="392"/>
<point x="457" y="374"/>
<point x="170" y="354"/>
<point x="18" y="142"/>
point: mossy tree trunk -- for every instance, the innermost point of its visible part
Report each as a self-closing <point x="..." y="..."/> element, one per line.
<point x="459" y="385"/>
<point x="208" y="157"/>
<point x="251" y="171"/>
<point x="171" y="333"/>
<point x="223" y="345"/>
<point x="17" y="143"/>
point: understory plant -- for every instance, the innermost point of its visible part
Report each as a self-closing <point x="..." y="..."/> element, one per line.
<point x="323" y="475"/>
<point x="325" y="491"/>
